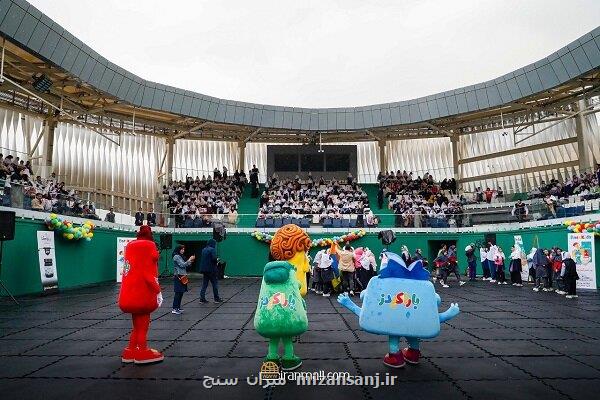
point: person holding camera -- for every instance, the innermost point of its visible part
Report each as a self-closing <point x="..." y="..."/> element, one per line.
<point x="180" y="278"/>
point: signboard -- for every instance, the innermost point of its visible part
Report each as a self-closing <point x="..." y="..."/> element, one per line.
<point x="519" y="241"/>
<point x="47" y="260"/>
<point x="581" y="247"/>
<point x="121" y="243"/>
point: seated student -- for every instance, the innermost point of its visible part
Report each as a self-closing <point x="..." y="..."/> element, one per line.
<point x="37" y="203"/>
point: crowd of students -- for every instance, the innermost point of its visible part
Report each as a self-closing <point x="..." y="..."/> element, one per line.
<point x="349" y="270"/>
<point x="550" y="270"/>
<point x="326" y="199"/>
<point x="346" y="269"/>
<point x="192" y="202"/>
<point x="46" y="195"/>
<point x="586" y="185"/>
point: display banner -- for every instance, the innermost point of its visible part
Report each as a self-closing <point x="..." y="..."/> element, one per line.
<point x="47" y="259"/>
<point x="581" y="247"/>
<point x="121" y="243"/>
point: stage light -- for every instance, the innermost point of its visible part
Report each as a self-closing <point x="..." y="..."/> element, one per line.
<point x="42" y="83"/>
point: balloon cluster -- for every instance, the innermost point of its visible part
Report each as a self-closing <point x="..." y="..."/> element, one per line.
<point x="348" y="237"/>
<point x="579" y="227"/>
<point x="70" y="232"/>
<point x="322" y="242"/>
<point x="262" y="236"/>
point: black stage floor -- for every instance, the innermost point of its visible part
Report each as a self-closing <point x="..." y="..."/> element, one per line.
<point x="507" y="343"/>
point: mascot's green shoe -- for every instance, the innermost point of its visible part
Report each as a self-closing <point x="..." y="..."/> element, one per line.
<point x="291" y="364"/>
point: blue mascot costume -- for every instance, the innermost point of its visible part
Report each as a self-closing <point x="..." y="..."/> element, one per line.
<point x="400" y="302"/>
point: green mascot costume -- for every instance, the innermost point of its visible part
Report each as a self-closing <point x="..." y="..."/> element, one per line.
<point x="281" y="310"/>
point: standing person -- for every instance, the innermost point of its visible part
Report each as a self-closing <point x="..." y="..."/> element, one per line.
<point x="515" y="266"/>
<point x="151" y="217"/>
<point x="380" y="197"/>
<point x="549" y="272"/>
<point x="548" y="267"/>
<point x="484" y="263"/>
<point x="139" y="218"/>
<point x="318" y="284"/>
<point x="359" y="271"/>
<point x="499" y="264"/>
<point x="436" y="271"/>
<point x="531" y="265"/>
<point x="556" y="269"/>
<point x="346" y="267"/>
<point x="180" y="278"/>
<point x="569" y="275"/>
<point x="325" y="272"/>
<point x="441" y="262"/>
<point x="491" y="256"/>
<point x="208" y="267"/>
<point x="539" y="262"/>
<point x="405" y="255"/>
<point x="453" y="264"/>
<point x="471" y="261"/>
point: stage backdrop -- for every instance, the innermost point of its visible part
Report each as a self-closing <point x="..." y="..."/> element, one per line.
<point x="581" y="247"/>
<point x="289" y="161"/>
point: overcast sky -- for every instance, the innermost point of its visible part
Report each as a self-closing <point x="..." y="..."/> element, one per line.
<point x="321" y="53"/>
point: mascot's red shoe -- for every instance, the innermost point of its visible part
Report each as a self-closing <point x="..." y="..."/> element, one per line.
<point x="128" y="355"/>
<point x="411" y="356"/>
<point x="140" y="295"/>
<point x="394" y="360"/>
<point x="148" y="356"/>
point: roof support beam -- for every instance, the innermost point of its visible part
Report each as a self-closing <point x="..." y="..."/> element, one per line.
<point x="520" y="171"/>
<point x="256" y="132"/>
<point x="518" y="150"/>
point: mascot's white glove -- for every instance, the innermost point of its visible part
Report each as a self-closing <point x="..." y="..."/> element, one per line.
<point x="159" y="298"/>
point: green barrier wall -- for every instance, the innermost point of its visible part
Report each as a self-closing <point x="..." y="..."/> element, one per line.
<point x="83" y="263"/>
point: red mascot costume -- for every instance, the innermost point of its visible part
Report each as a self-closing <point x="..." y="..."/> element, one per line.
<point x="140" y="295"/>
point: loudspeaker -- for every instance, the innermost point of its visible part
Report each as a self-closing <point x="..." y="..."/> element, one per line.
<point x="490" y="237"/>
<point x="166" y="241"/>
<point x="219" y="232"/>
<point x="7" y="225"/>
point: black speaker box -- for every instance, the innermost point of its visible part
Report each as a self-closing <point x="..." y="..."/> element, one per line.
<point x="7" y="225"/>
<point x="166" y="241"/>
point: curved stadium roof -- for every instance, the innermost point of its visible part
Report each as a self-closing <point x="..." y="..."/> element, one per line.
<point x="36" y="34"/>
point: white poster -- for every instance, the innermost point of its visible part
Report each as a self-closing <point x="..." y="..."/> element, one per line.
<point x="121" y="243"/>
<point x="519" y="241"/>
<point x="47" y="259"/>
<point x="581" y="247"/>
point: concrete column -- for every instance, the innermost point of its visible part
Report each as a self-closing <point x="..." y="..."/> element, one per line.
<point x="169" y="170"/>
<point x="242" y="156"/>
<point x="582" y="153"/>
<point x="455" y="158"/>
<point x="382" y="159"/>
<point x="47" y="158"/>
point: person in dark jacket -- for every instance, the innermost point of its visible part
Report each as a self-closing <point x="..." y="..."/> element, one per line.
<point x="539" y="262"/>
<point x="110" y="216"/>
<point x="569" y="275"/>
<point x="208" y="267"/>
<point x="471" y="261"/>
<point x="139" y="218"/>
<point x="151" y="218"/>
